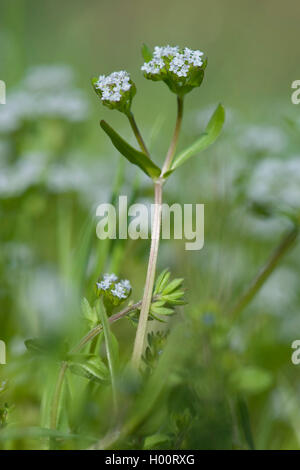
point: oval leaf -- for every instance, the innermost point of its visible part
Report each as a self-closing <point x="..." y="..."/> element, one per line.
<point x="134" y="156"/>
<point x="212" y="131"/>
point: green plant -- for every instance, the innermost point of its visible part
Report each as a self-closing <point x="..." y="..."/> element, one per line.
<point x="182" y="70"/>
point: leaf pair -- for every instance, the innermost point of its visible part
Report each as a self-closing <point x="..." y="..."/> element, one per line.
<point x="140" y="159"/>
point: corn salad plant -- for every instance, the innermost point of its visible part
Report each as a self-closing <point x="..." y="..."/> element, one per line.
<point x="182" y="69"/>
<point x="184" y="378"/>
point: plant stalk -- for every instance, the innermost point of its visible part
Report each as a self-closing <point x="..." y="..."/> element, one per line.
<point x="155" y="235"/>
<point x="285" y="244"/>
<point x="57" y="395"/>
<point x="137" y="134"/>
<point x="173" y="144"/>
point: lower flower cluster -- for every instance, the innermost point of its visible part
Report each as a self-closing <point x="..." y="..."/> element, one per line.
<point x="113" y="290"/>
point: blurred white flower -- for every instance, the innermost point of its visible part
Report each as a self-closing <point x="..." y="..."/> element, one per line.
<point x="263" y="139"/>
<point x="9" y="120"/>
<point x="47" y="297"/>
<point x="46" y="92"/>
<point x="119" y="291"/>
<point x="276" y="182"/>
<point x="19" y="106"/>
<point x="88" y="178"/>
<point x="104" y="285"/>
<point x="265" y="228"/>
<point x="279" y="292"/>
<point x="15" y="179"/>
<point x="126" y="284"/>
<point x="43" y="77"/>
<point x="110" y="277"/>
<point x="68" y="105"/>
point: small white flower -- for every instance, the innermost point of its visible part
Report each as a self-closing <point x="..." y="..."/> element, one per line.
<point x="126" y="284"/>
<point x="104" y="285"/>
<point x="176" y="60"/>
<point x="119" y="291"/>
<point x="112" y="86"/>
<point x="110" y="277"/>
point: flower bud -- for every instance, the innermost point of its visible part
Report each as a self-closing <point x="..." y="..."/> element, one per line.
<point x="115" y="90"/>
<point x="181" y="69"/>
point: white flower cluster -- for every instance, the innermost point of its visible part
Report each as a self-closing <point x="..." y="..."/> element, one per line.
<point x="48" y="77"/>
<point x="26" y="172"/>
<point x="120" y="289"/>
<point x="174" y="59"/>
<point x="263" y="139"/>
<point x="108" y="280"/>
<point x="110" y="277"/>
<point x="112" y="86"/>
<point x="276" y="182"/>
<point x="45" y="92"/>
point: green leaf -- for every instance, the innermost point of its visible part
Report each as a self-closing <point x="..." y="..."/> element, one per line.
<point x="146" y="53"/>
<point x="35" y="346"/>
<point x="212" y="131"/>
<point x="161" y="310"/>
<point x="251" y="380"/>
<point x="89" y="366"/>
<point x="134" y="156"/>
<point x="170" y="300"/>
<point x="161" y="281"/>
<point x="45" y="346"/>
<point x="153" y="316"/>
<point x="173" y="285"/>
<point x="155" y="440"/>
<point x="89" y="313"/>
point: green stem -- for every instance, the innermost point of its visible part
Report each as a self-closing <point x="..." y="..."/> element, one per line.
<point x="57" y="394"/>
<point x="173" y="144"/>
<point x="155" y="235"/>
<point x="137" y="133"/>
<point x="285" y="244"/>
<point x="109" y="352"/>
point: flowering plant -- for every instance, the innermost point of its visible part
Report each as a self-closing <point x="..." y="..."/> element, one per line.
<point x="182" y="69"/>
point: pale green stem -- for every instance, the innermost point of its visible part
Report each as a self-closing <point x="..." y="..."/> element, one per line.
<point x="137" y="133"/>
<point x="109" y="353"/>
<point x="156" y="227"/>
<point x="155" y="235"/>
<point x="173" y="145"/>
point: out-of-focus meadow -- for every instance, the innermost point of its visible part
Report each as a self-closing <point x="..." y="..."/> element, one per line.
<point x="234" y="385"/>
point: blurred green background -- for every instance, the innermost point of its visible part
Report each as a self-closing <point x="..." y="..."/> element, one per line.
<point x="56" y="166"/>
